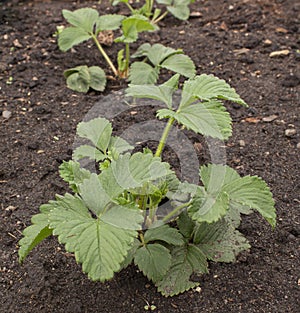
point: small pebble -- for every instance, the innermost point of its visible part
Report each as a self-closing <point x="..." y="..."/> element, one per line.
<point x="290" y="132"/>
<point x="242" y="143"/>
<point x="6" y="114"/>
<point x="298" y="145"/>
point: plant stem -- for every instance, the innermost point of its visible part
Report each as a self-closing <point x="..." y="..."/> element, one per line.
<point x="160" y="18"/>
<point x="164" y="137"/>
<point x="175" y="211"/>
<point x="129" y="7"/>
<point x="127" y="56"/>
<point x="106" y="57"/>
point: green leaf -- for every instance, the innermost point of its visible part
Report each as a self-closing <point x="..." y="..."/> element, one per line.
<point x="98" y="245"/>
<point x="186" y="225"/>
<point x="219" y="241"/>
<point x="98" y="131"/>
<point x="207" y="118"/>
<point x="109" y="22"/>
<point x="207" y="87"/>
<point x="153" y="260"/>
<point x="70" y="37"/>
<point x="73" y="174"/>
<point x="97" y="78"/>
<point x="249" y="192"/>
<point x="84" y="18"/>
<point x="180" y="63"/>
<point x="253" y="192"/>
<point x="164" y="233"/>
<point x="133" y="25"/>
<point x="179" y="8"/>
<point x="132" y="171"/>
<point x="162" y="92"/>
<point x="78" y="78"/>
<point x="35" y="233"/>
<point x="208" y="207"/>
<point x="185" y="261"/>
<point x="158" y="53"/>
<point x="182" y="12"/>
<point x="165" y="113"/>
<point x="142" y="51"/>
<point x="86" y="151"/>
<point x="118" y="146"/>
<point x="94" y="195"/>
<point x="141" y="73"/>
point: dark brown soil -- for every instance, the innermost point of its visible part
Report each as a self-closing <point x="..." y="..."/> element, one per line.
<point x="40" y="133"/>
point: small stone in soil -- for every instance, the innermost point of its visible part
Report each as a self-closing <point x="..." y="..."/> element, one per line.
<point x="242" y="143"/>
<point x="6" y="114"/>
<point x="270" y="118"/>
<point x="290" y="132"/>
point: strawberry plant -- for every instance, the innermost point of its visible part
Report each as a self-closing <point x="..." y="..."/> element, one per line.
<point x="87" y="24"/>
<point x="112" y="219"/>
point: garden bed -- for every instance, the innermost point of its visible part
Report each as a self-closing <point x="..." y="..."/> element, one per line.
<point x="230" y="39"/>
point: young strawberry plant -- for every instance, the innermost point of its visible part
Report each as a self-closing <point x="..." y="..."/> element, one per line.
<point x="112" y="219"/>
<point x="86" y="24"/>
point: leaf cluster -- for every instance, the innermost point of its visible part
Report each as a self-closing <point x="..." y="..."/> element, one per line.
<point x="111" y="218"/>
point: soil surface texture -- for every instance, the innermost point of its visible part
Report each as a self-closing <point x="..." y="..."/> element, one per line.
<point x="234" y="40"/>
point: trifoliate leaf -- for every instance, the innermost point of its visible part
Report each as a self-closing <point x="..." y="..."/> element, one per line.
<point x="109" y="22"/>
<point x="207" y="87"/>
<point x="164" y="233"/>
<point x="35" y="233"/>
<point x="162" y="92"/>
<point x="207" y="118"/>
<point x="70" y="37"/>
<point x="98" y="131"/>
<point x="180" y="63"/>
<point x="185" y="261"/>
<point x="73" y="174"/>
<point x="98" y="245"/>
<point x="153" y="260"/>
<point x="84" y="18"/>
<point x="219" y="241"/>
<point x="141" y="73"/>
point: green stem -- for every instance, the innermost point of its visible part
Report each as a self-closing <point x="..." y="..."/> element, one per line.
<point x="129" y="7"/>
<point x="127" y="56"/>
<point x="160" y="18"/>
<point x="174" y="212"/>
<point x="106" y="57"/>
<point x="164" y="137"/>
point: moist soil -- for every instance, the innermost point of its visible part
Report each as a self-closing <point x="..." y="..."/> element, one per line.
<point x="231" y="39"/>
